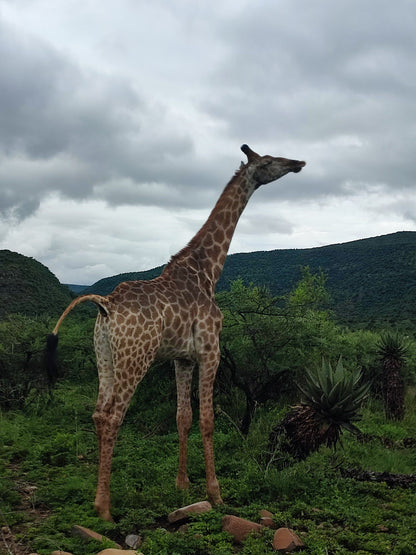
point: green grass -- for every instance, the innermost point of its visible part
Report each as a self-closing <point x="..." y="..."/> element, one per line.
<point x="48" y="469"/>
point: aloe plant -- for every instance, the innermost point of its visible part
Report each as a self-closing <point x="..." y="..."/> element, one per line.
<point x="392" y="351"/>
<point x="331" y="402"/>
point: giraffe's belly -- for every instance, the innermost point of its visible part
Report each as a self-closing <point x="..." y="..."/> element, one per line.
<point x="172" y="347"/>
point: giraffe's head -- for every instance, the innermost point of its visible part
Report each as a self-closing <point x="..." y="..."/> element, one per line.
<point x="268" y="168"/>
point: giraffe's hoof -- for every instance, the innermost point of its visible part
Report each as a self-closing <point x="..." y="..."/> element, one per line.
<point x="103" y="513"/>
<point x="213" y="492"/>
<point x="215" y="499"/>
<point x="106" y="515"/>
<point x="182" y="483"/>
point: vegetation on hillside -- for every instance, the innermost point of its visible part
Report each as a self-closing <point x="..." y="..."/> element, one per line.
<point x="28" y="287"/>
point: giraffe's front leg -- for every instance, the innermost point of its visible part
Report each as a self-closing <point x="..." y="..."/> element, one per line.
<point x="207" y="372"/>
<point x="183" y="371"/>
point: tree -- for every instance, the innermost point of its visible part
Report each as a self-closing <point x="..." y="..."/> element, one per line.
<point x="22" y="351"/>
<point x="21" y="358"/>
<point x="266" y="339"/>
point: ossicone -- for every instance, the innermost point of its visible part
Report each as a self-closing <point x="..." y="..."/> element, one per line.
<point x="251" y="155"/>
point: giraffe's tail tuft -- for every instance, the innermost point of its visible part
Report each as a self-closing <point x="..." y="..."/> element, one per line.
<point x="50" y="357"/>
<point x="52" y="342"/>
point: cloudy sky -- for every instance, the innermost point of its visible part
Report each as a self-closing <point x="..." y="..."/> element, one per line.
<point x="121" y="122"/>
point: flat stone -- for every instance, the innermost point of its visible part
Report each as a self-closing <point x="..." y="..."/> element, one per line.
<point x="286" y="541"/>
<point x="264" y="513"/>
<point x="133" y="541"/>
<point x="267" y="521"/>
<point x="88" y="534"/>
<point x="184" y="512"/>
<point x="238" y="527"/>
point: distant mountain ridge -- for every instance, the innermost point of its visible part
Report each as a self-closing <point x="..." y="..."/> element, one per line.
<point x="76" y="288"/>
<point x="370" y="280"/>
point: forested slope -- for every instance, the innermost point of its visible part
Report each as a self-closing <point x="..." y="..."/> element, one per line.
<point x="370" y="280"/>
<point x="28" y="287"/>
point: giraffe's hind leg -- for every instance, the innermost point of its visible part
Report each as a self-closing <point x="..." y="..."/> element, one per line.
<point x="119" y="376"/>
<point x="183" y="371"/>
<point x="104" y="400"/>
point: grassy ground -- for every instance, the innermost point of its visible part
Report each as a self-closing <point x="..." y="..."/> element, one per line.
<point x="48" y="469"/>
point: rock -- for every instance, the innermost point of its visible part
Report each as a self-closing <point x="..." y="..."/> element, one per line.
<point x="57" y="553"/>
<point x="133" y="541"/>
<point x="88" y="534"/>
<point x="112" y="551"/>
<point x="266" y="518"/>
<point x="264" y="514"/>
<point x="267" y="521"/>
<point x="286" y="541"/>
<point x="239" y="528"/>
<point x="184" y="512"/>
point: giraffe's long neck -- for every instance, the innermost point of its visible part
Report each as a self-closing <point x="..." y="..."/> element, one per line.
<point x="207" y="251"/>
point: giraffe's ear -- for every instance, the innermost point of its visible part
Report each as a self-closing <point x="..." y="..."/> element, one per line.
<point x="251" y="155"/>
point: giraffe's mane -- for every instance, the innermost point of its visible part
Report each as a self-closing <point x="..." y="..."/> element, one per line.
<point x="190" y="245"/>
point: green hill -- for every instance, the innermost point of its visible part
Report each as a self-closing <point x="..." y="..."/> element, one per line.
<point x="370" y="280"/>
<point x="28" y="287"/>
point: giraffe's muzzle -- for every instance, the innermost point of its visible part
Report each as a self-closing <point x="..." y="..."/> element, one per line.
<point x="298" y="165"/>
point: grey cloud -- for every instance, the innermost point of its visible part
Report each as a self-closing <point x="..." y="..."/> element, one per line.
<point x="329" y="83"/>
<point x="269" y="224"/>
<point x="69" y="130"/>
<point x="311" y="74"/>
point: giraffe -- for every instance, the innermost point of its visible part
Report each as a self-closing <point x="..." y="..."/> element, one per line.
<point x="173" y="316"/>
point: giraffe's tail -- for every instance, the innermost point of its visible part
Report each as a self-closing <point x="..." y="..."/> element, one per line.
<point x="101" y="302"/>
<point x="52" y="338"/>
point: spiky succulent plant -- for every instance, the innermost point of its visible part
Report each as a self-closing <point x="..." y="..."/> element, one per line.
<point x="392" y="350"/>
<point x="335" y="395"/>
<point x="331" y="401"/>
